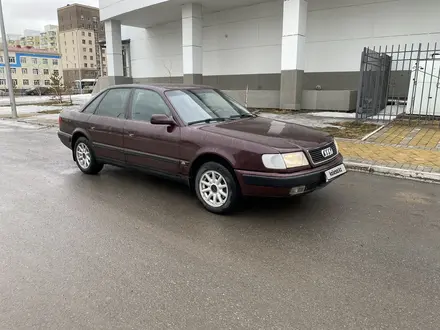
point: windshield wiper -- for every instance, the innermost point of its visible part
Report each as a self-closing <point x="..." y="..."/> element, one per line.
<point x="207" y="120"/>
<point x="244" y="115"/>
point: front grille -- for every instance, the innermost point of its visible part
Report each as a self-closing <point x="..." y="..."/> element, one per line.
<point x="323" y="154"/>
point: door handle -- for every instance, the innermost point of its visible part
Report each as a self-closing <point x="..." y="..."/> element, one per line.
<point x="92" y="128"/>
<point x="131" y="134"/>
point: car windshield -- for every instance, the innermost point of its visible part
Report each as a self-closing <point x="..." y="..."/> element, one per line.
<point x="205" y="105"/>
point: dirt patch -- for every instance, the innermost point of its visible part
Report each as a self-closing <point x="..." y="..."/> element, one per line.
<point x="349" y="129"/>
<point x="50" y="112"/>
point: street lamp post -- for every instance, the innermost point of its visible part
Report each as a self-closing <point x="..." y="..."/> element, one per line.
<point x="7" y="65"/>
<point x="79" y="62"/>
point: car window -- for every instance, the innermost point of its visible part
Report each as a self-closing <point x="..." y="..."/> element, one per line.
<point x="147" y="103"/>
<point x="94" y="104"/>
<point x="194" y="105"/>
<point x="114" y="102"/>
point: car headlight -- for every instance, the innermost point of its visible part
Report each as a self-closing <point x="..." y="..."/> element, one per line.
<point x="337" y="147"/>
<point x="285" y="161"/>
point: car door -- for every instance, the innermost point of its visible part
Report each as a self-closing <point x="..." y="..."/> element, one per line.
<point x="106" y="125"/>
<point x="149" y="146"/>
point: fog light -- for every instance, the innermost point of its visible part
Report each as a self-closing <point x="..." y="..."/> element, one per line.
<point x="297" y="190"/>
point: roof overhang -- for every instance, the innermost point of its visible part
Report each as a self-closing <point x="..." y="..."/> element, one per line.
<point x="149" y="13"/>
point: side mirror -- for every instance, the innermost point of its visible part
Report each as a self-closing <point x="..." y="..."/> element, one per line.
<point x="162" y="120"/>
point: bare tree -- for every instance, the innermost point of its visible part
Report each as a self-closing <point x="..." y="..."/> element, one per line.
<point x="169" y="69"/>
<point x="57" y="86"/>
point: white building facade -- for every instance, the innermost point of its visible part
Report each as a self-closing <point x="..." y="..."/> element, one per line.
<point x="273" y="49"/>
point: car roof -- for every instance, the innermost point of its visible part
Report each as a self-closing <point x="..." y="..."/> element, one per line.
<point x="161" y="87"/>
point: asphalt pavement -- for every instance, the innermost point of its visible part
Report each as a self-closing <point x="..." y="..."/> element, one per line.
<point x="123" y="250"/>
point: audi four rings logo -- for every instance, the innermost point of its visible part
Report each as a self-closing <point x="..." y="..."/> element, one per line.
<point x="327" y="152"/>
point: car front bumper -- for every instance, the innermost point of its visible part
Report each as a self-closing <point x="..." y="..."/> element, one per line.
<point x="281" y="184"/>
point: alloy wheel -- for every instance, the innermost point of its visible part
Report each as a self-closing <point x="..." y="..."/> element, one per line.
<point x="213" y="188"/>
<point x="83" y="155"/>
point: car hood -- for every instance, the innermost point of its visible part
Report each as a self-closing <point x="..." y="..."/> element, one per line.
<point x="272" y="133"/>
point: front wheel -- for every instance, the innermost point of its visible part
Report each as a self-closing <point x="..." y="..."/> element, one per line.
<point x="85" y="158"/>
<point x="216" y="188"/>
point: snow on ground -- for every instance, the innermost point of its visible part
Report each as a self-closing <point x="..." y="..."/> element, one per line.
<point x="77" y="99"/>
<point x="305" y="119"/>
<point x="333" y="114"/>
<point x="29" y="109"/>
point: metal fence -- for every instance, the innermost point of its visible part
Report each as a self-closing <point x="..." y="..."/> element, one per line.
<point x="400" y="82"/>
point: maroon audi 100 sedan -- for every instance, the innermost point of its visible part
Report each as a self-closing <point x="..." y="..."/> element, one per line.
<point x="201" y="136"/>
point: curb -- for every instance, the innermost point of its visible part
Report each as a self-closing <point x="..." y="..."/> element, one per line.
<point x="38" y="123"/>
<point x="393" y="172"/>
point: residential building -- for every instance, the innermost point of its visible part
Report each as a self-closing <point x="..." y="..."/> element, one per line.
<point x="79" y="28"/>
<point x="275" y="50"/>
<point x="30" y="67"/>
<point x="49" y="38"/>
<point x="30" y="40"/>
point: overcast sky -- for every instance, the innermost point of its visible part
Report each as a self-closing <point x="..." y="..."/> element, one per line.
<point x="34" y="15"/>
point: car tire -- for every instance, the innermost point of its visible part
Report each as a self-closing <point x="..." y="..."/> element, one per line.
<point x="85" y="158"/>
<point x="223" y="193"/>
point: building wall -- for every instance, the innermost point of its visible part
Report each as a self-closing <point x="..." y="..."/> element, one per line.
<point x="338" y="30"/>
<point x="79" y="27"/>
<point x="78" y="49"/>
<point x="242" y="46"/>
<point x="23" y="67"/>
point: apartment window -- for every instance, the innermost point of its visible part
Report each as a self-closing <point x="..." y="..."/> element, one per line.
<point x="90" y="42"/>
<point x="2" y="81"/>
<point x="91" y="65"/>
<point x="84" y="50"/>
<point x="95" y="19"/>
<point x="55" y="62"/>
<point x="1" y="59"/>
<point x="73" y="41"/>
<point x="46" y="71"/>
<point x="84" y="57"/>
<point x="91" y="58"/>
<point x="23" y="59"/>
<point x="84" y="42"/>
<point x="34" y="60"/>
<point x="47" y="82"/>
<point x="25" y="81"/>
<point x="67" y="65"/>
<point x="83" y="33"/>
<point x="13" y="70"/>
<point x="2" y="70"/>
<point x="24" y="71"/>
<point x="14" y="82"/>
<point x="36" y="82"/>
<point x="12" y="59"/>
<point x="82" y="17"/>
<point x="45" y="61"/>
<point x="90" y="50"/>
<point x="85" y="65"/>
<point x="35" y="71"/>
<point x="56" y="72"/>
<point x="65" y="44"/>
<point x="90" y="34"/>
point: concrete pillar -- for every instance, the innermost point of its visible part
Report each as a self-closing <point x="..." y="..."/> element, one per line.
<point x="293" y="53"/>
<point x="192" y="43"/>
<point x="114" y="48"/>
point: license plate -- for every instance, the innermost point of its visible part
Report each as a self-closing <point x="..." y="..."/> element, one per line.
<point x="335" y="172"/>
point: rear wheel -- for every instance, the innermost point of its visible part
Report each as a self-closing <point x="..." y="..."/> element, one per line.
<point x="85" y="158"/>
<point x="216" y="188"/>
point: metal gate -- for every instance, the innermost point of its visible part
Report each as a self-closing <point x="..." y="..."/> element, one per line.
<point x="400" y="82"/>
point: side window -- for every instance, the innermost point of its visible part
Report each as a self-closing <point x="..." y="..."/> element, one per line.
<point x="146" y="104"/>
<point x="94" y="104"/>
<point x="114" y="102"/>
